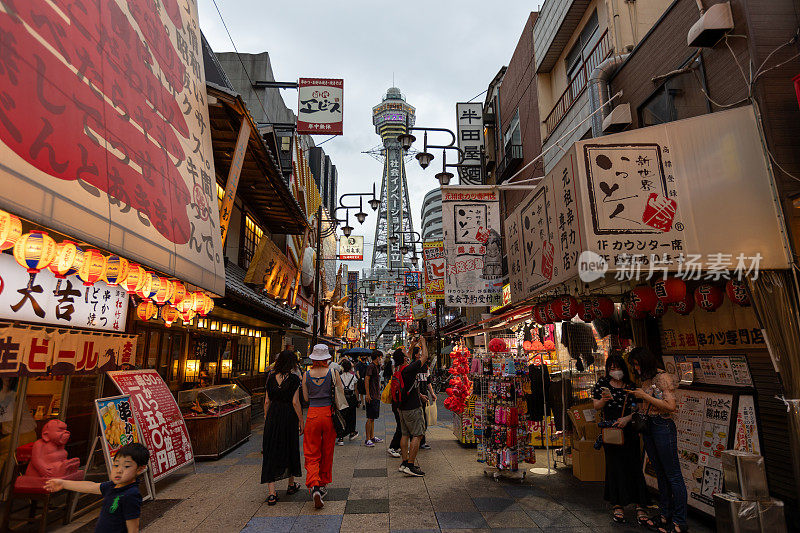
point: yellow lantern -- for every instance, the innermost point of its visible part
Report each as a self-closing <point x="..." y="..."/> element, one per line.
<point x="187" y="316"/>
<point x="93" y="267"/>
<point x="135" y="278"/>
<point x="117" y="269"/>
<point x="199" y="302"/>
<point x="203" y="303"/>
<point x="150" y="286"/>
<point x="209" y="305"/>
<point x="68" y="260"/>
<point x="146" y="310"/>
<point x="166" y="289"/>
<point x="169" y="314"/>
<point x="179" y="294"/>
<point x="34" y="251"/>
<point x="10" y="230"/>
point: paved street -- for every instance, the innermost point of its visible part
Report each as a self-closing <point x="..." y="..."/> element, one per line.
<point x="369" y="494"/>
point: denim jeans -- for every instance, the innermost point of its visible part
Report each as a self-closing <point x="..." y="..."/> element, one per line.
<point x="662" y="450"/>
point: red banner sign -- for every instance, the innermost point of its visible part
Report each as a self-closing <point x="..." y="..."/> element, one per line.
<point x="163" y="429"/>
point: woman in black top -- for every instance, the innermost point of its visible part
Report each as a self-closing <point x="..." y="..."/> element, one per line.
<point x="624" y="481"/>
<point x="283" y="425"/>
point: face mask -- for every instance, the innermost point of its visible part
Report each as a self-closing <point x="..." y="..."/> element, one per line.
<point x="617" y="374"/>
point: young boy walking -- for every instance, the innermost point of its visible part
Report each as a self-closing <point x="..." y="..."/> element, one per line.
<point x="122" y="501"/>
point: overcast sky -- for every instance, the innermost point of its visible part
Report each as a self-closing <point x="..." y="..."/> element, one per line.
<point x="438" y="52"/>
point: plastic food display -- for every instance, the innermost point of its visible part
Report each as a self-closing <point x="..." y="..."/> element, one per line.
<point x="212" y="401"/>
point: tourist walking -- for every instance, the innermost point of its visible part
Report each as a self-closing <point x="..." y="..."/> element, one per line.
<point x="319" y="439"/>
<point x="398" y="359"/>
<point x="426" y="393"/>
<point x="282" y="426"/>
<point x="372" y="386"/>
<point x="624" y="481"/>
<point x="656" y="398"/>
<point x="412" y="420"/>
<point x="349" y="414"/>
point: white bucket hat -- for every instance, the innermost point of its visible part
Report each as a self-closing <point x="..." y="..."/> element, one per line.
<point x="320" y="353"/>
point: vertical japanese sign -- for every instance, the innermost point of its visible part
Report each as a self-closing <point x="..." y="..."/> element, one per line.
<point x="472" y="246"/>
<point x="118" y="425"/>
<point x="394" y="204"/>
<point x="106" y="124"/>
<point x="433" y="255"/>
<point x="402" y="307"/>
<point x="163" y="429"/>
<point x="270" y="267"/>
<point x="543" y="234"/>
<point x="351" y="248"/>
<point x="419" y="304"/>
<point x="320" y="106"/>
<point x="353" y="301"/>
<point x="413" y="279"/>
<point x="469" y="121"/>
<point x="234" y="173"/>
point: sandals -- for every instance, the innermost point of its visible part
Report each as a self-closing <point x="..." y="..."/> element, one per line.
<point x="272" y="499"/>
<point x="292" y="489"/>
<point x="619" y="515"/>
<point x="644" y="520"/>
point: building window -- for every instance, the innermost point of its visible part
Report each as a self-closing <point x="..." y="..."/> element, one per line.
<point x="250" y="236"/>
<point x="679" y="97"/>
<point x="512" y="135"/>
<point x="220" y="195"/>
<point x="583" y="46"/>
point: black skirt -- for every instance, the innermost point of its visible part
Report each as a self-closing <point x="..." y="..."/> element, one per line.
<point x="624" y="482"/>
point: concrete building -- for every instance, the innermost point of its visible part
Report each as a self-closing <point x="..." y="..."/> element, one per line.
<point x="432" y="216"/>
<point x="325" y="176"/>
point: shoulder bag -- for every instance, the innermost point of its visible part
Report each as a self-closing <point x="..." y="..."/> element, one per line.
<point x="615" y="435"/>
<point x="338" y="420"/>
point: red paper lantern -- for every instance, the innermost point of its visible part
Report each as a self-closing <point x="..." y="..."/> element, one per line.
<point x="539" y="315"/>
<point x="93" y="267"/>
<point x="737" y="292"/>
<point x="179" y="294"/>
<point x="34" y="251"/>
<point x="117" y="269"/>
<point x="550" y="313"/>
<point x="549" y="345"/>
<point x="497" y="345"/>
<point x="527" y="346"/>
<point x="165" y="291"/>
<point x="708" y="297"/>
<point x="600" y="307"/>
<point x="149" y="287"/>
<point x="660" y="310"/>
<point x="68" y="260"/>
<point x="685" y="306"/>
<point x="146" y="310"/>
<point x="169" y="314"/>
<point x="584" y="311"/>
<point x="537" y="346"/>
<point x="564" y="307"/>
<point x="10" y="230"/>
<point x="135" y="278"/>
<point x="640" y="301"/>
<point x="670" y="290"/>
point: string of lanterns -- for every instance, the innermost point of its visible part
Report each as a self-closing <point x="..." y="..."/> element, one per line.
<point x="161" y="297"/>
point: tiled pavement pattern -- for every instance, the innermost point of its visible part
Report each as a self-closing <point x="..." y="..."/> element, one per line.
<point x="368" y="494"/>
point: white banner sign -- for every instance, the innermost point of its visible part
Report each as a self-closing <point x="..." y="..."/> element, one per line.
<point x="351" y="248"/>
<point x="469" y="120"/>
<point x="44" y="299"/>
<point x="320" y="106"/>
<point x="473" y="247"/>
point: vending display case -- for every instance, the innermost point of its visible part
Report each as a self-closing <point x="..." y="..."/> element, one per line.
<point x="217" y="417"/>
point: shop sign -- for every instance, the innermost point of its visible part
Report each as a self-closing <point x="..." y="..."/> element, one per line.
<point x="351" y="248"/>
<point x="234" y="172"/>
<point x="27" y="351"/>
<point x="729" y="370"/>
<point x="162" y="425"/>
<point x="118" y="425"/>
<point x="303" y="303"/>
<point x="472" y="246"/>
<point x="402" y="307"/>
<point x="352" y="334"/>
<point x="730" y="327"/>
<point x="352" y="288"/>
<point x="413" y="279"/>
<point x="320" y="108"/>
<point x="44" y="299"/>
<point x="506" y="298"/>
<point x="433" y="256"/>
<point x="130" y="171"/>
<point x="272" y="268"/>
<point x="419" y="308"/>
<point x="469" y="124"/>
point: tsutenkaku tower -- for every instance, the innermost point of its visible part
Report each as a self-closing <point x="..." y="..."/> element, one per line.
<point x="392" y="117"/>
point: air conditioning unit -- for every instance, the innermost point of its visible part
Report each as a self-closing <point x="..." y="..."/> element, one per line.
<point x="618" y="119"/>
<point x="712" y="26"/>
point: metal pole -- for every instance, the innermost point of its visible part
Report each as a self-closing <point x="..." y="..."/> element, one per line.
<point x="438" y="340"/>
<point x="317" y="280"/>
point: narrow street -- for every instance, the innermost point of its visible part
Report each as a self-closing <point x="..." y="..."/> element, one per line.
<point x="369" y="494"/>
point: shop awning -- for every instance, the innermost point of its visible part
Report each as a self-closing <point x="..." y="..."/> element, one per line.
<point x="238" y="291"/>
<point x="267" y="191"/>
<point x="503" y="321"/>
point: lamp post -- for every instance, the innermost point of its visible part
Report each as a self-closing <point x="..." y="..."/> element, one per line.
<point x="425" y="157"/>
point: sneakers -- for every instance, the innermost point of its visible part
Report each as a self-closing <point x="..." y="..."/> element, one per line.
<point x="369" y="444"/>
<point x="403" y="467"/>
<point x="340" y="442"/>
<point x="317" y="495"/>
<point x="393" y="452"/>
<point x="324" y="491"/>
<point x="413" y="470"/>
<point x="425" y="446"/>
<point x="353" y="435"/>
<point x="377" y="440"/>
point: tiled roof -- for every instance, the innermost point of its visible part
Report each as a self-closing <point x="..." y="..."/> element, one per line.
<point x="237" y="289"/>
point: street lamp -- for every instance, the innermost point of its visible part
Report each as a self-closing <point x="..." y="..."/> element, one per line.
<point x="424" y="157"/>
<point x="393" y="239"/>
<point x="406" y="140"/>
<point x="444" y="177"/>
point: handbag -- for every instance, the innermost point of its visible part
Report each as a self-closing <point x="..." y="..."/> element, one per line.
<point x="640" y="422"/>
<point x="339" y="424"/>
<point x="386" y="395"/>
<point x="339" y="399"/>
<point x="614" y="435"/>
<point x="431" y="414"/>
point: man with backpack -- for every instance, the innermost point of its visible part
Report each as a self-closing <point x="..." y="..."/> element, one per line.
<point x="373" y="388"/>
<point x="405" y="391"/>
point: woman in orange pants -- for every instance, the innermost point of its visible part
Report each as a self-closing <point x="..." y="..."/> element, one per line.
<point x="319" y="436"/>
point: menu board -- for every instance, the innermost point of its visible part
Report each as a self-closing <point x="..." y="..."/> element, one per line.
<point x="117" y="424"/>
<point x="162" y="426"/>
<point x="745" y="436"/>
<point x="729" y="370"/>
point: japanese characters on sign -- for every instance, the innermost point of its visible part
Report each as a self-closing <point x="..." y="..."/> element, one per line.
<point x="469" y="123"/>
<point x="351" y="248"/>
<point x="113" y="138"/>
<point x="433" y="256"/>
<point x="163" y="428"/>
<point x="413" y="279"/>
<point x="394" y="204"/>
<point x="353" y="301"/>
<point x="419" y="308"/>
<point x="26" y="351"/>
<point x="506" y="298"/>
<point x="270" y="267"/>
<point x="730" y="327"/>
<point x="543" y="234"/>
<point x="473" y="246"/>
<point x="234" y="173"/>
<point x="402" y="307"/>
<point x="42" y="298"/>
<point x="728" y="370"/>
<point x="320" y="108"/>
<point x="118" y="425"/>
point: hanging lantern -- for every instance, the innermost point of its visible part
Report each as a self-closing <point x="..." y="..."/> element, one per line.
<point x="10" y="230"/>
<point x="117" y="269"/>
<point x="708" y="297"/>
<point x="670" y="290"/>
<point x="539" y="315"/>
<point x="68" y="260"/>
<point x="737" y="292"/>
<point x="150" y="286"/>
<point x="209" y="306"/>
<point x="187" y="304"/>
<point x="135" y="278"/>
<point x="584" y="311"/>
<point x="34" y="251"/>
<point x="660" y="310"/>
<point x="527" y="346"/>
<point x="550" y="313"/>
<point x="178" y="294"/>
<point x="187" y="316"/>
<point x="685" y="306"/>
<point x="564" y="307"/>
<point x="640" y="301"/>
<point x="93" y="267"/>
<point x="169" y="314"/>
<point x="600" y="307"/>
<point x="203" y="303"/>
<point x="166" y="289"/>
<point x="146" y="310"/>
